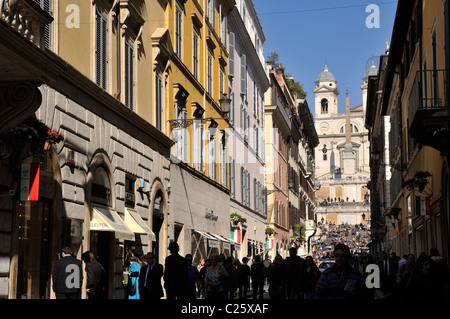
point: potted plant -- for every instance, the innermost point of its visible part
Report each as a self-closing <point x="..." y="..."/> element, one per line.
<point x="235" y="218"/>
<point x="395" y="211"/>
<point x="421" y="179"/>
<point x="269" y="231"/>
<point x="51" y="138"/>
<point x="243" y="220"/>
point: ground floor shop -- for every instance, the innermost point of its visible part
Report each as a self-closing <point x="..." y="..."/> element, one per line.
<point x="99" y="186"/>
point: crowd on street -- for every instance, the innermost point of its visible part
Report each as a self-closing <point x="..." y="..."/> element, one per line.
<point x="292" y="277"/>
<point x="356" y="237"/>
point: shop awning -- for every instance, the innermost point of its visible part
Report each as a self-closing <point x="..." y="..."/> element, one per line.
<point x="104" y="219"/>
<point x="205" y="234"/>
<point x="137" y="225"/>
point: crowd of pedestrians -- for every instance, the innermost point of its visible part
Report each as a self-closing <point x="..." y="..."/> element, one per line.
<point x="294" y="277"/>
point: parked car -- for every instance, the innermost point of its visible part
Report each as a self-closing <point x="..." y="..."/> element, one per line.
<point x="326" y="264"/>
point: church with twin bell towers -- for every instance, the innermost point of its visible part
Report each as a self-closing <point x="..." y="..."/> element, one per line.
<point x="342" y="157"/>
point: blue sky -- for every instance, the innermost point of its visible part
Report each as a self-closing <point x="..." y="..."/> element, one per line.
<point x="306" y="34"/>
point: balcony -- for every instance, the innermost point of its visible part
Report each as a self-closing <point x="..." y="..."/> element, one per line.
<point x="27" y="18"/>
<point x="429" y="113"/>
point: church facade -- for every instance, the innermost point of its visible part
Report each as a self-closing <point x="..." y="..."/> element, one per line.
<point x="342" y="157"/>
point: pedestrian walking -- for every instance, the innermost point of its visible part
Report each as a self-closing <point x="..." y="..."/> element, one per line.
<point x="133" y="277"/>
<point x="232" y="282"/>
<point x="295" y="271"/>
<point x="150" y="278"/>
<point x="95" y="273"/>
<point x="193" y="279"/>
<point x="175" y="274"/>
<point x="67" y="276"/>
<point x="341" y="281"/>
<point x="206" y="264"/>
<point x="214" y="279"/>
<point x="243" y="274"/>
<point x="312" y="277"/>
<point x="388" y="271"/>
<point x="440" y="266"/>
<point x="405" y="270"/>
<point x="277" y="279"/>
<point x="257" y="275"/>
<point x="423" y="282"/>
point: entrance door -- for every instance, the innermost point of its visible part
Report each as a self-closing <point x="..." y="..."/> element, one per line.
<point x="101" y="247"/>
<point x="33" y="249"/>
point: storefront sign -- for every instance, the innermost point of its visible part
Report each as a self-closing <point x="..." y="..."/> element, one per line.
<point x="29" y="182"/>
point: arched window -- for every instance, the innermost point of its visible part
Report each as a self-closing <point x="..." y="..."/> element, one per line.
<point x="101" y="187"/>
<point x="324" y="104"/>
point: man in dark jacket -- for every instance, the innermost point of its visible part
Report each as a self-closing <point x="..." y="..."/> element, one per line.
<point x="150" y="278"/>
<point x="175" y="274"/>
<point x="295" y="267"/>
<point x="257" y="274"/>
<point x="95" y="276"/>
<point x="388" y="275"/>
<point x="67" y="276"/>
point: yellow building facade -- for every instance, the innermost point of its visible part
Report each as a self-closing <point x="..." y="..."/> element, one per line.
<point x="416" y="98"/>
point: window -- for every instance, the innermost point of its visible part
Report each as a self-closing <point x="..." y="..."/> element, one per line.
<point x="324" y="104"/>
<point x="232" y="178"/>
<point x="231" y="41"/>
<point x="178" y="32"/>
<point x="158" y="100"/>
<point x="129" y="75"/>
<point x="243" y="74"/>
<point x="212" y="159"/>
<point x="46" y="5"/>
<point x="245" y="186"/>
<point x="224" y="163"/>
<point x="101" y="56"/>
<point x="101" y="187"/>
<point x="195" y="54"/>
<point x="180" y="136"/>
<point x="221" y="82"/>
<point x="130" y="191"/>
<point x="223" y="26"/>
<point x="210" y="75"/>
<point x="210" y="12"/>
<point x="231" y="106"/>
<point x="198" y="145"/>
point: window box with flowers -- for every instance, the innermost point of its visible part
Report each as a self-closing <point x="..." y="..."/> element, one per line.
<point x="52" y="138"/>
<point x="235" y="218"/>
<point x="270" y="231"/>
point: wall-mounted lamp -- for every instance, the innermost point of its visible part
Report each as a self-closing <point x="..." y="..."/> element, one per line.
<point x="70" y="161"/>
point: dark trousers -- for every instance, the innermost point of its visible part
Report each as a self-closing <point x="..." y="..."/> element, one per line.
<point x="258" y="288"/>
<point x="76" y="295"/>
<point x="243" y="289"/>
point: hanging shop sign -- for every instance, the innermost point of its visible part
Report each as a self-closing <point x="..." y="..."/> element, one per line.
<point x="29" y="182"/>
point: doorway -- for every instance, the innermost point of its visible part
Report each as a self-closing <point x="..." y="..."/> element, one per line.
<point x="101" y="247"/>
<point x="33" y="249"/>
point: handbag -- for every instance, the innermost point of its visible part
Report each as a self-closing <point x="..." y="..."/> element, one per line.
<point x="132" y="291"/>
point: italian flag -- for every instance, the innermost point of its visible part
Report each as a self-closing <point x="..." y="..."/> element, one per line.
<point x="236" y="235"/>
<point x="423" y="206"/>
<point x="269" y="243"/>
<point x="29" y="182"/>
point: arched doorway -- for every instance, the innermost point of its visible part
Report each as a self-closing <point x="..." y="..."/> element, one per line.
<point x="158" y="221"/>
<point x="99" y="195"/>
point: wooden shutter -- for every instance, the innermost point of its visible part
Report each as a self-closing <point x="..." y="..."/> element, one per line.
<point x="129" y="75"/>
<point x="243" y="74"/>
<point x="231" y="43"/>
<point x="101" y="26"/>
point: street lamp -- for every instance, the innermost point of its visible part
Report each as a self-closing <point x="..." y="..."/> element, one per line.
<point x="225" y="103"/>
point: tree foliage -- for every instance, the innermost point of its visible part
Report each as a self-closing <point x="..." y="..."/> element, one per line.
<point x="295" y="87"/>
